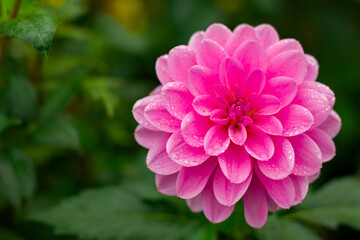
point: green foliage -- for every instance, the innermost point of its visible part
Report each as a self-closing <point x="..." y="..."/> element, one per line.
<point x="38" y="30"/>
<point x="116" y="213"/>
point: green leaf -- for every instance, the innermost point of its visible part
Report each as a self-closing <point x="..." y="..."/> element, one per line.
<point x="280" y="229"/>
<point x="21" y="97"/>
<point x="59" y="132"/>
<point x="61" y="97"/>
<point x="115" y="213"/>
<point x="17" y="176"/>
<point x="38" y="30"/>
<point x="6" y="122"/>
<point x="338" y="202"/>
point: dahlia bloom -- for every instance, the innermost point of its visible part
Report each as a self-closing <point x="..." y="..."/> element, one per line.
<point x="238" y="114"/>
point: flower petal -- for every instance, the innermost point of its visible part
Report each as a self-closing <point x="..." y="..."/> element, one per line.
<point x="268" y="124"/>
<point x="283" y="88"/>
<point x="282" y="162"/>
<point x="307" y="155"/>
<point x="226" y="192"/>
<point x="295" y="119"/>
<point x="324" y="142"/>
<point x="213" y="210"/>
<point x="292" y="64"/>
<point x="220" y="116"/>
<point x="177" y="99"/>
<point x="158" y="160"/>
<point x="146" y="137"/>
<point x="216" y="140"/>
<point x="282" y="46"/>
<point x="315" y="102"/>
<point x="180" y="60"/>
<point x="252" y="55"/>
<point x="205" y="104"/>
<point x="210" y="54"/>
<point x="254" y="82"/>
<point x="192" y="180"/>
<point x="161" y="68"/>
<point x="159" y="117"/>
<point x="267" y="34"/>
<point x="218" y="33"/>
<point x="139" y="108"/>
<point x="235" y="163"/>
<point x="201" y="81"/>
<point x="332" y="124"/>
<point x="196" y="39"/>
<point x="301" y="185"/>
<point x="232" y="73"/>
<point x="259" y="145"/>
<point x="312" y="69"/>
<point x="195" y="203"/>
<point x="240" y="34"/>
<point x="237" y="133"/>
<point x="182" y="153"/>
<point x="321" y="88"/>
<point x="166" y="184"/>
<point x="255" y="204"/>
<point x="265" y="105"/>
<point x="194" y="128"/>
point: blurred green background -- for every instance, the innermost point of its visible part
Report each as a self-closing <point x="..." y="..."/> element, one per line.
<point x="66" y="117"/>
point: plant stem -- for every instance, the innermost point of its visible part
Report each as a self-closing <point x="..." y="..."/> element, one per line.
<point x="5" y="39"/>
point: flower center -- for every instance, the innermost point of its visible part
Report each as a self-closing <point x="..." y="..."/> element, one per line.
<point x="239" y="112"/>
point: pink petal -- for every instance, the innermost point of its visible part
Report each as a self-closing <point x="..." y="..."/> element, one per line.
<point x="272" y="206"/>
<point x="312" y="69"/>
<point x="238" y="134"/>
<point x="218" y="33"/>
<point x="196" y="40"/>
<point x="180" y="60"/>
<point x="146" y="137"/>
<point x="301" y="185"/>
<point x="281" y="191"/>
<point x="282" y="46"/>
<point x="232" y="73"/>
<point x="252" y="55"/>
<point x="332" y="124"/>
<point x="282" y="162"/>
<point x="205" y="104"/>
<point x="283" y="88"/>
<point x="255" y="204"/>
<point x="295" y="119"/>
<point x="292" y="64"/>
<point x="192" y="180"/>
<point x="161" y="68"/>
<point x="268" y="124"/>
<point x="216" y="140"/>
<point x="314" y="177"/>
<point x="265" y="105"/>
<point x="177" y="99"/>
<point x="315" y="102"/>
<point x="307" y="155"/>
<point x="254" y="83"/>
<point x="241" y="34"/>
<point x="267" y="34"/>
<point x="194" y="128"/>
<point x="195" y="203"/>
<point x="158" y="161"/>
<point x="259" y="145"/>
<point x="321" y="88"/>
<point x="182" y="153"/>
<point x="139" y="108"/>
<point x="220" y="116"/>
<point x="226" y="192"/>
<point x="166" y="184"/>
<point x="324" y="142"/>
<point x="210" y="54"/>
<point x="213" y="210"/>
<point x="201" y="81"/>
<point x="223" y="92"/>
<point x="159" y="117"/>
<point x="235" y="163"/>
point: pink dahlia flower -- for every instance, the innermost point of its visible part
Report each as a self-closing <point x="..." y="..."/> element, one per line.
<point x="237" y="115"/>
